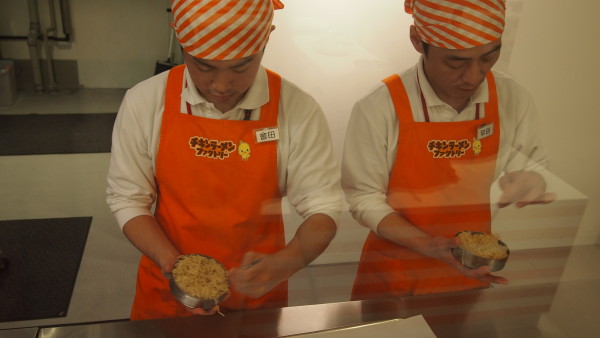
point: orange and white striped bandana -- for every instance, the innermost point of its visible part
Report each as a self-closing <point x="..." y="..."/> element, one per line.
<point x="223" y="29"/>
<point x="457" y="24"/>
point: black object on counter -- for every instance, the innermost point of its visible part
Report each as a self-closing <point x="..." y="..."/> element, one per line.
<point x="3" y="263"/>
<point x="44" y="261"/>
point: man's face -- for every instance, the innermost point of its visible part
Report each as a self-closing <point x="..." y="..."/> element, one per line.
<point x="455" y="75"/>
<point x="223" y="82"/>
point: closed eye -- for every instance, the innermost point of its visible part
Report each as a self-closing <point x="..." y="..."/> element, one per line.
<point x="456" y="63"/>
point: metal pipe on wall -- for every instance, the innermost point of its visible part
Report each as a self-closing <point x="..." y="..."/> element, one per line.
<point x="65" y="17"/>
<point x="37" y="38"/>
<point x="33" y="43"/>
<point x="48" y="45"/>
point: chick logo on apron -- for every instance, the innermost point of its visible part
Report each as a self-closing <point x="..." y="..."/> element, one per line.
<point x="214" y="149"/>
<point x="244" y="150"/>
<point x="448" y="148"/>
<point x="477" y="147"/>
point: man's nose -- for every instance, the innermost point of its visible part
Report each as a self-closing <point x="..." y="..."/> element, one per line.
<point x="222" y="82"/>
<point x="474" y="73"/>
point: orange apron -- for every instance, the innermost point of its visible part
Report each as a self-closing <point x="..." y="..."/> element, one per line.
<point x="218" y="196"/>
<point x="440" y="183"/>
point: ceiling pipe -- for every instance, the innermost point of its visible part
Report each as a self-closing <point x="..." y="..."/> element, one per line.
<point x="33" y="43"/>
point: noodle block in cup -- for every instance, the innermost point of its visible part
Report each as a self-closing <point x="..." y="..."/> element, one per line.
<point x="199" y="281"/>
<point x="480" y="249"/>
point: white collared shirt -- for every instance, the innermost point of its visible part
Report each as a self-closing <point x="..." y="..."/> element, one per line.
<point x="370" y="147"/>
<point x="308" y="171"/>
<point x="257" y="95"/>
<point x="440" y="111"/>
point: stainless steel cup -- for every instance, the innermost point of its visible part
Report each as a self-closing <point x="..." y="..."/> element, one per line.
<point x="193" y="302"/>
<point x="472" y="261"/>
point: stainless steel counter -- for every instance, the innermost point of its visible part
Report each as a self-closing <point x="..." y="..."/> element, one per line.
<point x="28" y="332"/>
<point x="512" y="310"/>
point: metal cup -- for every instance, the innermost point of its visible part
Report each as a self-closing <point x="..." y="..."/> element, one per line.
<point x="472" y="261"/>
<point x="191" y="301"/>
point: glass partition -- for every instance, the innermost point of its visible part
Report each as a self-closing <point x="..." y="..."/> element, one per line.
<point x="338" y="52"/>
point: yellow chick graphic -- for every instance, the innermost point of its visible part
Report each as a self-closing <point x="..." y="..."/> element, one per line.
<point x="244" y="150"/>
<point x="476" y="146"/>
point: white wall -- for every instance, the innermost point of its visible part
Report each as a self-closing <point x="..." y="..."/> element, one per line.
<point x="556" y="56"/>
<point x="339" y="58"/>
<point x="121" y="40"/>
<point x="338" y="49"/>
<point x="547" y="46"/>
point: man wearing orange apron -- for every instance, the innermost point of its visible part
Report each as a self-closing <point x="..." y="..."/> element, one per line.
<point x="423" y="150"/>
<point x="211" y="143"/>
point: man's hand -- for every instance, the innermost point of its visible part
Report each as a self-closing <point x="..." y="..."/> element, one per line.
<point x="258" y="274"/>
<point x="167" y="269"/>
<point x="202" y="312"/>
<point x="443" y="253"/>
<point x="397" y="229"/>
<point x="523" y="188"/>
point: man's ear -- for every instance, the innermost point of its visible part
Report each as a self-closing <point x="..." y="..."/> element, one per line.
<point x="271" y="31"/>
<point x="416" y="40"/>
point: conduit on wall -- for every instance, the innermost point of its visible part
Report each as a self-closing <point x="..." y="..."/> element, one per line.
<point x="38" y="38"/>
<point x="33" y="43"/>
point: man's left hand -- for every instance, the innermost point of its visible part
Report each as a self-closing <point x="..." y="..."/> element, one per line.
<point x="257" y="274"/>
<point x="522" y="188"/>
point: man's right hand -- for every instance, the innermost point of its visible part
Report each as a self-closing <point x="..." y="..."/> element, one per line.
<point x="202" y="312"/>
<point x="397" y="229"/>
<point x="443" y="251"/>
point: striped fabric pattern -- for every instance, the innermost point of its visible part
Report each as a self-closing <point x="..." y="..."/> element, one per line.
<point x="457" y="24"/>
<point x="223" y="29"/>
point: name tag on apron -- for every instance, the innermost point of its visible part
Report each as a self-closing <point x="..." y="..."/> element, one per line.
<point x="267" y="134"/>
<point x="485" y="130"/>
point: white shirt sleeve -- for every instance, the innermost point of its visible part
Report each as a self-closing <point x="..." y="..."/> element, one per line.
<point x="521" y="135"/>
<point x="308" y="169"/>
<point x="367" y="161"/>
<point x="131" y="189"/>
